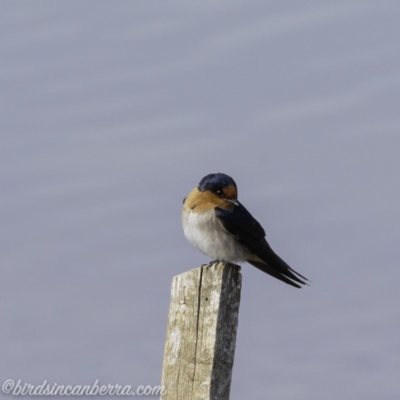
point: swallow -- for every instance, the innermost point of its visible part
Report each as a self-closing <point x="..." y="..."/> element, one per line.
<point x="217" y="224"/>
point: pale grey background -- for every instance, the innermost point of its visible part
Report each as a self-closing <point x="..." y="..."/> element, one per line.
<point x="111" y="111"/>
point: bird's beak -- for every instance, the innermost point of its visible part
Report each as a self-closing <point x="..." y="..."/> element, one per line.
<point x="235" y="202"/>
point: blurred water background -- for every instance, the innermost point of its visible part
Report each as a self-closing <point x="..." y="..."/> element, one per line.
<point x="112" y="111"/>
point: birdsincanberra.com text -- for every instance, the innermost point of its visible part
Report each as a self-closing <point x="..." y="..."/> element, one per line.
<point x="19" y="388"/>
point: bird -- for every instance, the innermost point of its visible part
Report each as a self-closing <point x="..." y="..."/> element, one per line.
<point x="217" y="224"/>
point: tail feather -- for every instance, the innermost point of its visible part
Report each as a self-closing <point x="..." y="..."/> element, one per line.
<point x="278" y="268"/>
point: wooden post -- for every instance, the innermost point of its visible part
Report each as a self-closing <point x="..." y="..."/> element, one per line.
<point x="201" y="333"/>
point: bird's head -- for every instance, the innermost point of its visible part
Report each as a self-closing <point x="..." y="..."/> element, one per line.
<point x="220" y="185"/>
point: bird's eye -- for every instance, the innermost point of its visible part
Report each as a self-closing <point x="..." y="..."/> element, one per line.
<point x="219" y="191"/>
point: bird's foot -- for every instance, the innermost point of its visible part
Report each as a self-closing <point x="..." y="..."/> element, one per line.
<point x="211" y="263"/>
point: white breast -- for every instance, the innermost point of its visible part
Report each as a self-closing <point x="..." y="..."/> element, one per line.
<point x="207" y="234"/>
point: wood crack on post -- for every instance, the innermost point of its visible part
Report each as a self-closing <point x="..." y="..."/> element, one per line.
<point x="197" y="324"/>
<point x="201" y="333"/>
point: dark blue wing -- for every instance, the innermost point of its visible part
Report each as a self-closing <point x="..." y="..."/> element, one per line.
<point x="248" y="231"/>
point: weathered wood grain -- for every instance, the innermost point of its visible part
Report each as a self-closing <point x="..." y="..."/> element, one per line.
<point x="201" y="333"/>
